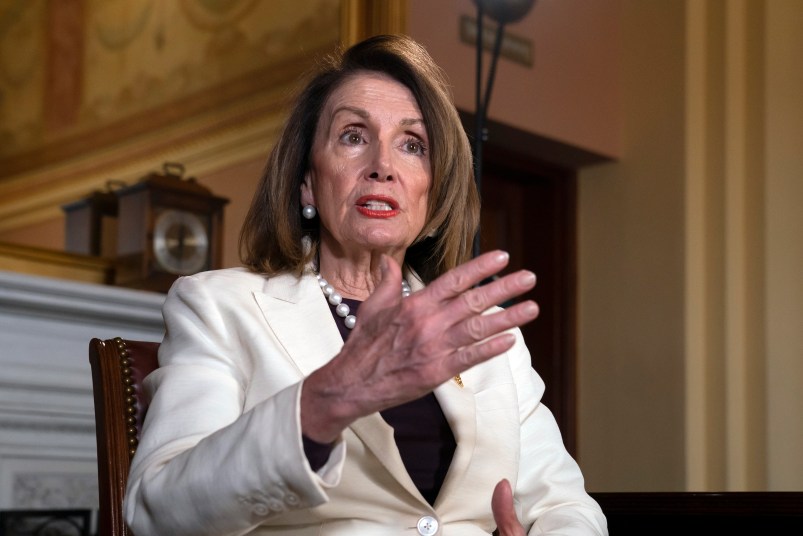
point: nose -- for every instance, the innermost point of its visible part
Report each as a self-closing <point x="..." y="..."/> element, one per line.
<point x="381" y="167"/>
<point x="380" y="176"/>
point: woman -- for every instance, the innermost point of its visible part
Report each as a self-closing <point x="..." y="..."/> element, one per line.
<point x="427" y="420"/>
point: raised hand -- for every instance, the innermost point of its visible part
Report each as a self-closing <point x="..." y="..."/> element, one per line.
<point x="404" y="348"/>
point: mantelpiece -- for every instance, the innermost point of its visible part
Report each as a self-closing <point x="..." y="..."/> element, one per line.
<point x="47" y="437"/>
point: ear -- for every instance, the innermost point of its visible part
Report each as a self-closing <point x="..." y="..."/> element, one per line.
<point x="307" y="197"/>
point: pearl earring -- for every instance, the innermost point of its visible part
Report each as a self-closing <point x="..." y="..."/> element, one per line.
<point x="309" y="212"/>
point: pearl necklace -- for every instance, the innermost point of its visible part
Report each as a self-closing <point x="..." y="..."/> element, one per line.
<point x="342" y="309"/>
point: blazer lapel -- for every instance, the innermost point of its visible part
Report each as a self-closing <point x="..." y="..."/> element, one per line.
<point x="300" y="319"/>
<point x="459" y="408"/>
<point x="377" y="435"/>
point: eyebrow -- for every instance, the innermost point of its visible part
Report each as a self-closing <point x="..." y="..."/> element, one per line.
<point x="412" y="121"/>
<point x="356" y="111"/>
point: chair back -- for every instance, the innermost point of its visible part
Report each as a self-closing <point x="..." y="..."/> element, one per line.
<point x="118" y="368"/>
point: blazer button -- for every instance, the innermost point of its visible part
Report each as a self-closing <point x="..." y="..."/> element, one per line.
<point x="427" y="526"/>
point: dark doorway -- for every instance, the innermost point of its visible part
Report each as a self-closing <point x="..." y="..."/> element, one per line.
<point x="530" y="214"/>
<point x="529" y="208"/>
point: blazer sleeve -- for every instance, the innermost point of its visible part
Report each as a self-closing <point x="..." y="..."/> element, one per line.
<point x="204" y="465"/>
<point x="549" y="491"/>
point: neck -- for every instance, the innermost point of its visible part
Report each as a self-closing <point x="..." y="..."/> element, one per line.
<point x="354" y="276"/>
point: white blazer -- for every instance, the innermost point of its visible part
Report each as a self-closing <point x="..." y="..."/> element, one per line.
<point x="221" y="451"/>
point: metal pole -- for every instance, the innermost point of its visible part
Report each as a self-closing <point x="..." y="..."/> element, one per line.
<point x="481" y="107"/>
<point x="479" y="123"/>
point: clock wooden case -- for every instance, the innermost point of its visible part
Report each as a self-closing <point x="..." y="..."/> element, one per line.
<point x="168" y="226"/>
<point x="90" y="225"/>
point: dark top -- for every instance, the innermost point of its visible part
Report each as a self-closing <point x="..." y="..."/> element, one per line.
<point x="423" y="436"/>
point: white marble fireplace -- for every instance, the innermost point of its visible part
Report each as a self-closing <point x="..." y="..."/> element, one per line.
<point x="47" y="427"/>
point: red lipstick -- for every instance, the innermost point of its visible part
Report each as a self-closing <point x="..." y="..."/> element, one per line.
<point x="377" y="206"/>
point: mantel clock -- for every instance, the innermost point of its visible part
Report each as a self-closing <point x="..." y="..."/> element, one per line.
<point x="168" y="226"/>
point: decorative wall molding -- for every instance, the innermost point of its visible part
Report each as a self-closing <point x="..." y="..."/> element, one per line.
<point x="33" y="426"/>
<point x="79" y="302"/>
<point x="205" y="142"/>
<point x="208" y="106"/>
<point x="726" y="397"/>
<point x="47" y="426"/>
<point x="49" y="263"/>
<point x="51" y="491"/>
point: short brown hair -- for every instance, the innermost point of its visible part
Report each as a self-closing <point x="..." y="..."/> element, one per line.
<point x="271" y="237"/>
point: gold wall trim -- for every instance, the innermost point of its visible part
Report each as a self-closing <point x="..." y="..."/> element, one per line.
<point x="360" y="19"/>
<point x="726" y="401"/>
<point x="202" y="133"/>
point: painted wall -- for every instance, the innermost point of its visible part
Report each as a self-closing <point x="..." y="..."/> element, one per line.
<point x="572" y="91"/>
<point x="237" y="183"/>
<point x="690" y="255"/>
<point x="94" y="91"/>
<point x="630" y="258"/>
<point x="103" y="62"/>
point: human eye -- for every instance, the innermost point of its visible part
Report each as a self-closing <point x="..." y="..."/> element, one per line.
<point x="352" y="136"/>
<point x="415" y="146"/>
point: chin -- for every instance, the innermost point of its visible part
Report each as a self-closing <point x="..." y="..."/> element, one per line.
<point x="384" y="241"/>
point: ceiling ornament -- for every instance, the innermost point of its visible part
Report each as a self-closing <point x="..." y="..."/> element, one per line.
<point x="118" y="22"/>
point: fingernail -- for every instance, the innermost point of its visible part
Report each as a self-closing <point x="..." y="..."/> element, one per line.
<point x="383" y="264"/>
<point x="527" y="278"/>
<point x="502" y="257"/>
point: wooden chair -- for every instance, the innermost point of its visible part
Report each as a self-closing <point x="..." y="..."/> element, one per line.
<point x="118" y="368"/>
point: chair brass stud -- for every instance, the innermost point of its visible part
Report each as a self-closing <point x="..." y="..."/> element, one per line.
<point x="131" y="410"/>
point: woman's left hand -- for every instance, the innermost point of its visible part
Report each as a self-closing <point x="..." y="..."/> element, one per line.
<point x="507" y="524"/>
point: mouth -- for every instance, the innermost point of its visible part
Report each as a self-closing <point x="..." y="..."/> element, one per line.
<point x="377" y="206"/>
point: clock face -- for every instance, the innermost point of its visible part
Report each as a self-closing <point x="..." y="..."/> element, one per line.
<point x="180" y="242"/>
